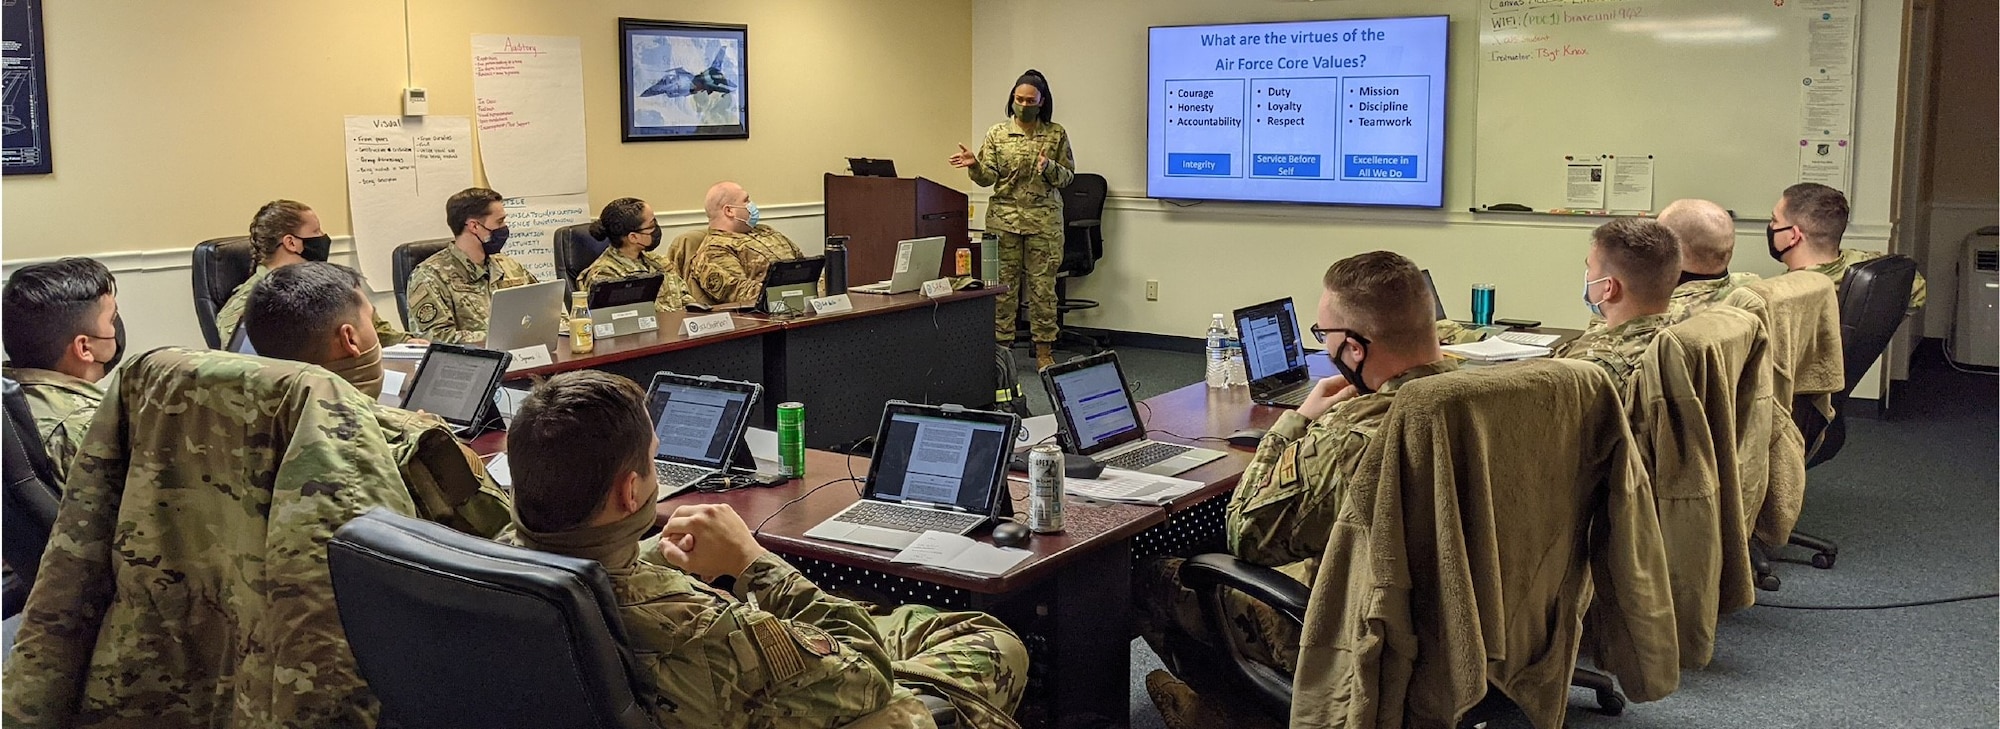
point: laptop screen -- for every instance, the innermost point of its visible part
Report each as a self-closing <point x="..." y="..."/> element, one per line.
<point x="1437" y="302"/>
<point x="939" y="460"/>
<point x="455" y="385"/>
<point x="240" y="341"/>
<point x="1095" y="405"/>
<point x="1271" y="344"/>
<point x="695" y="424"/>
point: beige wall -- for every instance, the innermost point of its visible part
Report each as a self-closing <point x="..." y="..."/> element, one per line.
<point x="174" y="121"/>
<point x="1217" y="256"/>
<point x="1966" y="97"/>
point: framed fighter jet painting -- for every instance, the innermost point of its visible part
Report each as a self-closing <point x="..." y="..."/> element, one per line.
<point x="683" y="80"/>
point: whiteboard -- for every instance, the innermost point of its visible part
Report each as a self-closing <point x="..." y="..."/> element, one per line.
<point x="1716" y="92"/>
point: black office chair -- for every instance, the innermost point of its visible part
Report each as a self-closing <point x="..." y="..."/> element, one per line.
<point x="451" y="630"/>
<point x="28" y="503"/>
<point x="1083" y="245"/>
<point x="575" y="250"/>
<point x="403" y="261"/>
<point x="1873" y="301"/>
<point x="220" y="265"/>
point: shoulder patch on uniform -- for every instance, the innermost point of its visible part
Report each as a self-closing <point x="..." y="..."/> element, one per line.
<point x="1288" y="464"/>
<point x="779" y="649"/>
<point x="816" y="641"/>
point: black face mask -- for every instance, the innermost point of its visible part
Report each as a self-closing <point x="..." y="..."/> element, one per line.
<point x="657" y="235"/>
<point x="118" y="338"/>
<point x="496" y="241"/>
<point x="317" y="248"/>
<point x="1687" y="276"/>
<point x="1771" y="241"/>
<point x="1353" y="374"/>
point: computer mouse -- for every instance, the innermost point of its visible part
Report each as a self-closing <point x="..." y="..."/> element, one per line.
<point x="1247" y="437"/>
<point x="1011" y="534"/>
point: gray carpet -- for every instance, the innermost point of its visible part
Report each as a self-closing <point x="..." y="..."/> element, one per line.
<point x="1912" y="502"/>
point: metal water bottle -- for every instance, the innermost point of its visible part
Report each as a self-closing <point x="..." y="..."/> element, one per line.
<point x="1045" y="488"/>
<point x="836" y="265"/>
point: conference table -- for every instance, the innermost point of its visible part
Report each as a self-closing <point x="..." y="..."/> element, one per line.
<point x="1071" y="600"/>
<point x="843" y="366"/>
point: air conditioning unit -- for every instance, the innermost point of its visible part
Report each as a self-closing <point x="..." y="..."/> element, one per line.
<point x="1975" y="330"/>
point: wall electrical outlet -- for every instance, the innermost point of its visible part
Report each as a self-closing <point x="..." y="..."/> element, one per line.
<point x="1152" y="290"/>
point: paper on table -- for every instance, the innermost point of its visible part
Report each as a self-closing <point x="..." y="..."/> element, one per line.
<point x="405" y="351"/>
<point x="960" y="554"/>
<point x="1496" y="350"/>
<point x="497" y="468"/>
<point x="1117" y="484"/>
<point x="392" y="389"/>
<point x="528" y="92"/>
<point x="1583" y="181"/>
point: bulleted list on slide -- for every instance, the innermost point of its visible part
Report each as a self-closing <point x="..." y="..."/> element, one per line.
<point x="1320" y="111"/>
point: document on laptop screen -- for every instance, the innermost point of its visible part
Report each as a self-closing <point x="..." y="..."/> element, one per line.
<point x="1095" y="399"/>
<point x="939" y="460"/>
<point x="1268" y="346"/>
<point x="937" y="465"/>
<point x="690" y="422"/>
<point x="451" y="386"/>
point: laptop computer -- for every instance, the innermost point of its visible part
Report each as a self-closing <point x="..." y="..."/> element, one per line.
<point x="1273" y="356"/>
<point x="917" y="261"/>
<point x="624" y="306"/>
<point x="700" y="422"/>
<point x="239" y="342"/>
<point x="790" y="285"/>
<point x="1437" y="302"/>
<point x="936" y="468"/>
<point x="869" y="167"/>
<point x="456" y="383"/>
<point x="1098" y="419"/>
<point x="524" y="316"/>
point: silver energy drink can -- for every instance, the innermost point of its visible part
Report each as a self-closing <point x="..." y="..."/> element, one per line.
<point x="1045" y="488"/>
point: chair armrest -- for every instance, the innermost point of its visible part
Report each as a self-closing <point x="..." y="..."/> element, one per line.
<point x="1085" y="223"/>
<point x="1206" y="574"/>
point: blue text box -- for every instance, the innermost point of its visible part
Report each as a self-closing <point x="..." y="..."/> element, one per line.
<point x="1284" y="165"/>
<point x="1198" y="164"/>
<point x="1380" y="166"/>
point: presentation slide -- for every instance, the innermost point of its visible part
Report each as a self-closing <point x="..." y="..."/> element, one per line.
<point x="1330" y="111"/>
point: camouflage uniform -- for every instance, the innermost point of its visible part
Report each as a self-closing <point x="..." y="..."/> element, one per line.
<point x="612" y="265"/>
<point x="1691" y="297"/>
<point x="232" y="313"/>
<point x="186" y="583"/>
<point x="62" y="407"/>
<point x="1280" y="516"/>
<point x="1836" y="269"/>
<point x="775" y="651"/>
<point x="728" y="268"/>
<point x="1617" y="349"/>
<point x="1026" y="212"/>
<point x="451" y="297"/>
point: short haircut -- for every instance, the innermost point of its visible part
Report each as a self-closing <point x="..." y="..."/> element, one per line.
<point x="274" y="221"/>
<point x="1819" y="211"/>
<point x="1034" y="78"/>
<point x="1386" y="296"/>
<point x="466" y="204"/>
<point x="46" y="305"/>
<point x="294" y="310"/>
<point x="621" y="217"/>
<point x="718" y="197"/>
<point x="574" y="437"/>
<point x="1705" y="231"/>
<point x="1642" y="253"/>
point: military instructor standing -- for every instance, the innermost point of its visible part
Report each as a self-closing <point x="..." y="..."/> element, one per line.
<point x="1026" y="160"/>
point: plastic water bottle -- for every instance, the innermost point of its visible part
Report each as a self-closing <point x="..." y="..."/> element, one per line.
<point x="1218" y="352"/>
<point x="1239" y="374"/>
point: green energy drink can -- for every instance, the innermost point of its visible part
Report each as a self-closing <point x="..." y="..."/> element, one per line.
<point x="792" y="439"/>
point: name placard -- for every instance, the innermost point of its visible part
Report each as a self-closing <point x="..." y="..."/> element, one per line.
<point x="701" y="326"/>
<point x="834" y="304"/>
<point x="937" y="287"/>
<point x="529" y="357"/>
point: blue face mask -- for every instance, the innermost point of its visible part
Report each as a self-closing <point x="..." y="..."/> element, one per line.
<point x="1596" y="308"/>
<point x="756" y="216"/>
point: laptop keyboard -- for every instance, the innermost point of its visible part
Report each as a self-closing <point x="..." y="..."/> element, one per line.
<point x="1294" y="398"/>
<point x="1145" y="455"/>
<point x="680" y="474"/>
<point x="909" y="519"/>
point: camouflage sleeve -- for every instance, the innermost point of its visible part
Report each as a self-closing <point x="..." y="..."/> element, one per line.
<point x="389" y="333"/>
<point x="722" y="275"/>
<point x="796" y="652"/>
<point x="431" y="315"/>
<point x="231" y="313"/>
<point x="983" y="171"/>
<point x="673" y="292"/>
<point x="66" y="438"/>
<point x="1284" y="508"/>
<point x="1919" y="291"/>
<point x="1062" y="166"/>
<point x="1451" y="332"/>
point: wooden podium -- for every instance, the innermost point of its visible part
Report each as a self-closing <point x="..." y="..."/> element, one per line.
<point x="877" y="212"/>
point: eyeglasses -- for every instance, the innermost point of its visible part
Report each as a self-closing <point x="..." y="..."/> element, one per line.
<point x="1320" y="334"/>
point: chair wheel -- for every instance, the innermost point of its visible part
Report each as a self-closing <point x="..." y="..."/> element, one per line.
<point x="1769" y="582"/>
<point x="1823" y="560"/>
<point x="1610" y="703"/>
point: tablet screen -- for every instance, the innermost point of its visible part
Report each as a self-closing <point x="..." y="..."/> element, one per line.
<point x="454" y="385"/>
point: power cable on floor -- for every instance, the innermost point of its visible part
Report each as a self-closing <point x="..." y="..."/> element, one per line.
<point x="1886" y="606"/>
